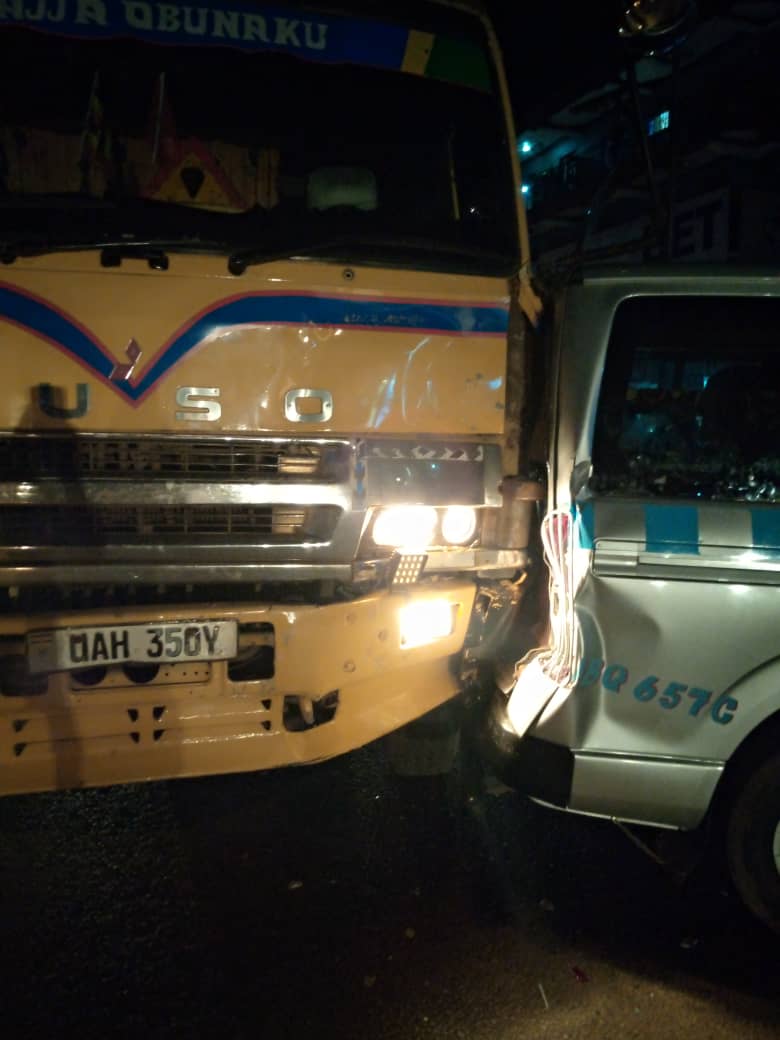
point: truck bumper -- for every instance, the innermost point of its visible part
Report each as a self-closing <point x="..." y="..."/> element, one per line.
<point x="341" y="678"/>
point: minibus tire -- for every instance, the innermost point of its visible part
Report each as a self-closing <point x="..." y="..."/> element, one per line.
<point x="753" y="818"/>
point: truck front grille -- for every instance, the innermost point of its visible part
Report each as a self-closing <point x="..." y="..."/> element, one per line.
<point x="227" y="459"/>
<point x="136" y="524"/>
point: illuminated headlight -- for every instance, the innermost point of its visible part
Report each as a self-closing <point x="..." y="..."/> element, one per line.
<point x="405" y="527"/>
<point x="427" y="621"/>
<point x="458" y="524"/>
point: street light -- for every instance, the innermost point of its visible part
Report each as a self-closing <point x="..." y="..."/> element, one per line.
<point x="653" y="25"/>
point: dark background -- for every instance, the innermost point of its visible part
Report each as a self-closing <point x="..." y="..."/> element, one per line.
<point x="335" y="901"/>
<point x="556" y="50"/>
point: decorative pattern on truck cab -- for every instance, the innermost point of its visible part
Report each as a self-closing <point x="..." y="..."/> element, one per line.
<point x="377" y="314"/>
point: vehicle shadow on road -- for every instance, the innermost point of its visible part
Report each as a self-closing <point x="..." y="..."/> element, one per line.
<point x="391" y="902"/>
<point x="333" y="901"/>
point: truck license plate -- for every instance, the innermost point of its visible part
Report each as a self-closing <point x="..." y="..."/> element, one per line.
<point x="66" y="649"/>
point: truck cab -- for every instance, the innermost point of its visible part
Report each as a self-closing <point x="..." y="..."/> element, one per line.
<point x="259" y="432"/>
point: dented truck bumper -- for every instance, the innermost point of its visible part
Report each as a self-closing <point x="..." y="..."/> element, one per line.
<point x="331" y="678"/>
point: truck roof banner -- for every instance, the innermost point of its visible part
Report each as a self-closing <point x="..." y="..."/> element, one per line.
<point x="308" y="34"/>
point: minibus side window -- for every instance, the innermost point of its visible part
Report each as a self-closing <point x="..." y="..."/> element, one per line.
<point x="690" y="400"/>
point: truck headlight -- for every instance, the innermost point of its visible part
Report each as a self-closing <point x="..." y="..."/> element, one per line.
<point x="405" y="527"/>
<point x="458" y="524"/>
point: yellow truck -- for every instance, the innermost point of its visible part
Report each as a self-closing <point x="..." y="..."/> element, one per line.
<point x="260" y="420"/>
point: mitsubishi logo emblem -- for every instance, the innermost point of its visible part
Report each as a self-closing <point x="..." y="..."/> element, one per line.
<point x="122" y="373"/>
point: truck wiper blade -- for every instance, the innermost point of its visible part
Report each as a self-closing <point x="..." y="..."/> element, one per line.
<point x="240" y="259"/>
<point x="112" y="256"/>
<point x="112" y="252"/>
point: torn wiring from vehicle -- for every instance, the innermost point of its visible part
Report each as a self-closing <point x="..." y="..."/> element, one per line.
<point x="545" y="671"/>
<point x="560" y="660"/>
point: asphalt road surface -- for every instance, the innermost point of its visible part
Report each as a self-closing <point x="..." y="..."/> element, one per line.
<point x="337" y="901"/>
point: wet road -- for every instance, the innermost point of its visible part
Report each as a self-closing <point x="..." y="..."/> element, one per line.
<point x="337" y="901"/>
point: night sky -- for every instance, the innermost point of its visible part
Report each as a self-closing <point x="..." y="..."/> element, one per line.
<point x="556" y="50"/>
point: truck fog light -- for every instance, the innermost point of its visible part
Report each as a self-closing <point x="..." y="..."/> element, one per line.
<point x="405" y="527"/>
<point x="427" y="621"/>
<point x="459" y="524"/>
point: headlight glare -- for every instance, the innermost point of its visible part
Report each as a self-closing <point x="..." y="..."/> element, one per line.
<point x="459" y="524"/>
<point x="405" y="527"/>
<point x="426" y="621"/>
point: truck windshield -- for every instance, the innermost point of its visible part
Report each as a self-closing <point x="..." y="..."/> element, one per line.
<point x="122" y="136"/>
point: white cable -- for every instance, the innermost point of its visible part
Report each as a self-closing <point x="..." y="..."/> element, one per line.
<point x="560" y="660"/>
<point x="545" y="673"/>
